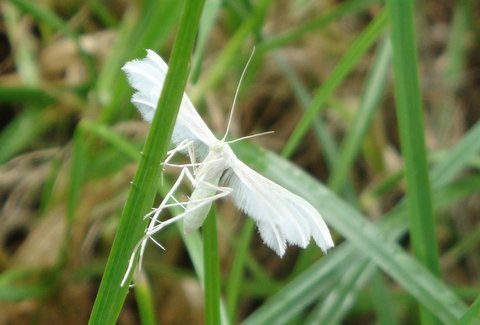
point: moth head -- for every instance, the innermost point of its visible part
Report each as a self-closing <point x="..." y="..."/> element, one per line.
<point x="223" y="150"/>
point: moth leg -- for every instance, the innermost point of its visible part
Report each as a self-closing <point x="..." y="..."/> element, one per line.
<point x="220" y="192"/>
<point x="153" y="222"/>
<point x="171" y="153"/>
<point x="155" y="225"/>
<point x="191" y="155"/>
<point x="185" y="144"/>
<point x="223" y="190"/>
<point x="201" y="202"/>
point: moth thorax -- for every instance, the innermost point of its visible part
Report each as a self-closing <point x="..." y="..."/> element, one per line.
<point x="223" y="150"/>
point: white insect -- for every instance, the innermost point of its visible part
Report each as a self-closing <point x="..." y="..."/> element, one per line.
<point x="281" y="216"/>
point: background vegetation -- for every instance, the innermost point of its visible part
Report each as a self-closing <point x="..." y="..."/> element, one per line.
<point x="381" y="136"/>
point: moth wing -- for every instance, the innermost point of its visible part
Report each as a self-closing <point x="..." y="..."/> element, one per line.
<point x="281" y="216"/>
<point x="147" y="77"/>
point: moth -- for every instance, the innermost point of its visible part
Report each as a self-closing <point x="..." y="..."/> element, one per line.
<point x="281" y="217"/>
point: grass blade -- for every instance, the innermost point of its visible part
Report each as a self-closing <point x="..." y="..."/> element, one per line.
<point x="230" y="51"/>
<point x="370" y="100"/>
<point x="368" y="239"/>
<point x="358" y="48"/>
<point x="472" y="316"/>
<point x="144" y="296"/>
<point x="111" y="296"/>
<point x="411" y="129"/>
<point x="346" y="7"/>
<point x="211" y="269"/>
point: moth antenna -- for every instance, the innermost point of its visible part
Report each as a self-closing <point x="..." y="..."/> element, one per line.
<point x="236" y="93"/>
<point x="251" y="136"/>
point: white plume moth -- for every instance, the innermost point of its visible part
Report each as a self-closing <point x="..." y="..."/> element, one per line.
<point x="281" y="216"/>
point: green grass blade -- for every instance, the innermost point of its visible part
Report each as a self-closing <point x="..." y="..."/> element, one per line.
<point x="144" y="296"/>
<point x="230" y="52"/>
<point x="366" y="237"/>
<point x="111" y="296"/>
<point x="299" y="293"/>
<point x="465" y="245"/>
<point x="331" y="311"/>
<point x="346" y="7"/>
<point x="151" y="30"/>
<point x="472" y="316"/>
<point x="23" y="52"/>
<point x="455" y="161"/>
<point x="382" y="301"/>
<point x="103" y="13"/>
<point x="211" y="269"/>
<point x="19" y="133"/>
<point x="25" y="283"/>
<point x="42" y="13"/>
<point x="102" y="131"/>
<point x="77" y="175"/>
<point x="374" y="90"/>
<point x="348" y="61"/>
<point x="235" y="278"/>
<point x="411" y="129"/>
<point x="209" y="15"/>
<point x="324" y="138"/>
<point x="27" y="95"/>
<point x="395" y="226"/>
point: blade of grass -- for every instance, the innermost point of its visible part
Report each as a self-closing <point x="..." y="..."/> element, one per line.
<point x="144" y="296"/>
<point x="372" y="95"/>
<point x="348" y="61"/>
<point x="209" y="15"/>
<point x="20" y="132"/>
<point x="103" y="13"/>
<point x="465" y="245"/>
<point x="452" y="75"/>
<point x="366" y="237"/>
<point x="48" y="190"/>
<point x="450" y="164"/>
<point x="331" y="311"/>
<point x="411" y="130"/>
<point x="230" y="51"/>
<point x="211" y="269"/>
<point x="102" y="131"/>
<point x="394" y="227"/>
<point x="325" y="141"/>
<point x="28" y="124"/>
<point x="339" y="298"/>
<point x="472" y="316"/>
<point x="382" y="301"/>
<point x="27" y="95"/>
<point x="25" y="283"/>
<point x="23" y="51"/>
<point x="77" y="176"/>
<point x="347" y="7"/>
<point x="465" y="150"/>
<point x="111" y="296"/>
<point x="235" y="278"/>
<point x="298" y="294"/>
<point x="42" y="13"/>
<point x="151" y="30"/>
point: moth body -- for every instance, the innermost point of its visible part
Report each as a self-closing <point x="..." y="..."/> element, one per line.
<point x="207" y="177"/>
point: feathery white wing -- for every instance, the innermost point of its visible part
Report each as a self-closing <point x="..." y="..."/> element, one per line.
<point x="147" y="77"/>
<point x="281" y="216"/>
